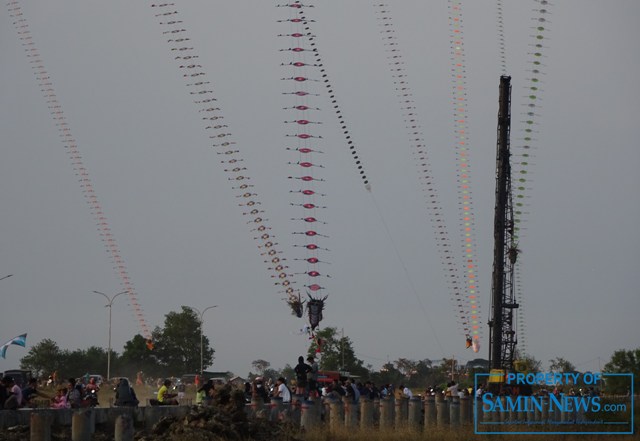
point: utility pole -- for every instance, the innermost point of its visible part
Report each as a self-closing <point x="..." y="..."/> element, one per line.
<point x="201" y="314"/>
<point x="109" y="305"/>
<point x="502" y="333"/>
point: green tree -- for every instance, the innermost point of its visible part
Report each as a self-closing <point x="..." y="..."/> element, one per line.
<point x="260" y="366"/>
<point x="137" y="357"/>
<point x="407" y="367"/>
<point x="387" y="374"/>
<point x="95" y="360"/>
<point x="178" y="344"/>
<point x="337" y="353"/>
<point x="623" y="362"/>
<point x="561" y="365"/>
<point x="532" y="364"/>
<point x="43" y="358"/>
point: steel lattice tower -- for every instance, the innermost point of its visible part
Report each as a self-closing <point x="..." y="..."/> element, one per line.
<point x="503" y="338"/>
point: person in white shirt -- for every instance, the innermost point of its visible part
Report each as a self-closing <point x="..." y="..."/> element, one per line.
<point x="406" y="391"/>
<point x="281" y="390"/>
<point x="452" y="390"/>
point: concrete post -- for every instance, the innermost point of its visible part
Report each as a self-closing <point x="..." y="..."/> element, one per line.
<point x="545" y="410"/>
<point x="454" y="411"/>
<point x="336" y="415"/>
<point x="326" y="408"/>
<point x="275" y="409"/>
<point x="531" y="414"/>
<point x="537" y="411"/>
<point x="429" y="411"/>
<point x="465" y="410"/>
<point x="402" y="409"/>
<point x="487" y="417"/>
<point x="296" y="408"/>
<point x="504" y="412"/>
<point x="376" y="409"/>
<point x="386" y="413"/>
<point x="40" y="426"/>
<point x="124" y="429"/>
<point x="350" y="412"/>
<point x="366" y="413"/>
<point x="81" y="426"/>
<point x="557" y="414"/>
<point x="308" y="416"/>
<point x="257" y="407"/>
<point x="476" y="406"/>
<point x="513" y="415"/>
<point x="414" y="417"/>
<point x="442" y="408"/>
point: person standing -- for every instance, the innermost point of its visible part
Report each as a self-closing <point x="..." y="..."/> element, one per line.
<point x="312" y="377"/>
<point x="302" y="369"/>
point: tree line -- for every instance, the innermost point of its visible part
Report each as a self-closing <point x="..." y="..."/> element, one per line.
<point x="176" y="351"/>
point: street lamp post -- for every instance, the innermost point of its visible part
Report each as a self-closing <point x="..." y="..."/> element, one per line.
<point x="201" y="334"/>
<point x="109" y="305"/>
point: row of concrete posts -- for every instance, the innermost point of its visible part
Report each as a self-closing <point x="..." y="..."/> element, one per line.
<point x="83" y="421"/>
<point x="385" y="413"/>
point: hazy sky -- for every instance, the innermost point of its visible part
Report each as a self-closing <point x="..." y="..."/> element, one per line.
<point x="184" y="238"/>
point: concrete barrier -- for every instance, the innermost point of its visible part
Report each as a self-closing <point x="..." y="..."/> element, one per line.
<point x="386" y="413"/>
<point x="336" y="415"/>
<point x="429" y="411"/>
<point x="401" y="411"/>
<point x="350" y="412"/>
<point x="466" y="416"/>
<point x="310" y="415"/>
<point x="40" y="429"/>
<point x="442" y="408"/>
<point x="454" y="411"/>
<point x="81" y="425"/>
<point x="124" y="429"/>
<point x="366" y="413"/>
<point x="414" y="414"/>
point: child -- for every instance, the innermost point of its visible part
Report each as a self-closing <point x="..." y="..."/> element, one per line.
<point x="60" y="400"/>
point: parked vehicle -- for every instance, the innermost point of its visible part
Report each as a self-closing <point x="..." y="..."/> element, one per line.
<point x="20" y="376"/>
<point x="99" y="379"/>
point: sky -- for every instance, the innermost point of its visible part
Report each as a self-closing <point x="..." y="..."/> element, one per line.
<point x="178" y="223"/>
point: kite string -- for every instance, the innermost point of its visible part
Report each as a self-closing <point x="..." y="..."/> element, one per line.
<point x="502" y="50"/>
<point x="526" y="143"/>
<point x="406" y="273"/>
<point x="463" y="165"/>
<point x="301" y="17"/>
<point x="419" y="148"/>
<point x="222" y="140"/>
<point x="306" y="150"/>
<point x="70" y="144"/>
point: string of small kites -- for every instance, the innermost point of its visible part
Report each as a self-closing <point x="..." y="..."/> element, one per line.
<point x="466" y="309"/>
<point x="200" y="88"/>
<point x="303" y="145"/>
<point x="70" y="144"/>
<point x="466" y="212"/>
<point x="526" y="141"/>
<point x="305" y="71"/>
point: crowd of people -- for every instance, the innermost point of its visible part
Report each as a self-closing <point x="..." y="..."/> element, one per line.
<point x="72" y="394"/>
